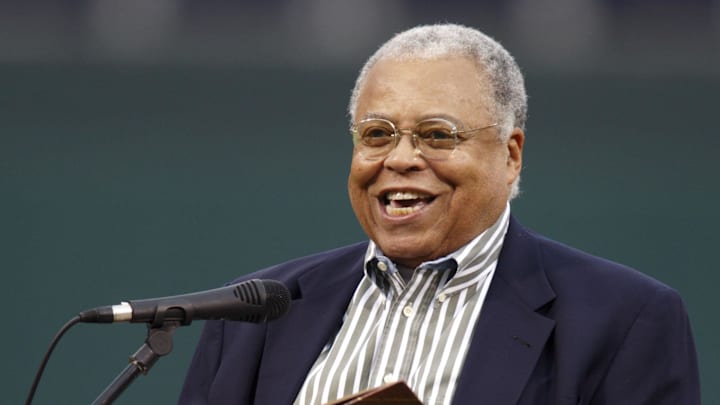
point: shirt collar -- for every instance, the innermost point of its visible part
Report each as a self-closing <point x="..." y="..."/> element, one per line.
<point x="462" y="260"/>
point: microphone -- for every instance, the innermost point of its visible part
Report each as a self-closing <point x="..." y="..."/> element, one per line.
<point x="250" y="301"/>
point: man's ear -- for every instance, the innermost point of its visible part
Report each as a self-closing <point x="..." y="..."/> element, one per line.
<point x="515" y="148"/>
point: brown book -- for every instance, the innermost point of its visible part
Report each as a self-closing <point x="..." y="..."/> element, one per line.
<point x="397" y="393"/>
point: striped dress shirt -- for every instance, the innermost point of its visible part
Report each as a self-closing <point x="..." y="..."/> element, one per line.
<point x="416" y="331"/>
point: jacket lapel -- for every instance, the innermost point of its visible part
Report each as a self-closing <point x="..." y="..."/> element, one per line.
<point x="320" y="299"/>
<point x="511" y="334"/>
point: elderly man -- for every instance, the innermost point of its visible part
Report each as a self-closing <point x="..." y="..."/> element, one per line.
<point x="451" y="294"/>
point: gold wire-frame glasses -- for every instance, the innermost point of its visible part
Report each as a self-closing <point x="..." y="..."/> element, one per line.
<point x="434" y="138"/>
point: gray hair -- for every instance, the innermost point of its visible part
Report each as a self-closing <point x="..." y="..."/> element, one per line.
<point x="435" y="41"/>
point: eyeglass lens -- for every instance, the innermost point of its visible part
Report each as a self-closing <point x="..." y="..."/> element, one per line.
<point x="435" y="139"/>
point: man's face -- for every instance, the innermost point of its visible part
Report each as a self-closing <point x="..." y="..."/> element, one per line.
<point x="418" y="209"/>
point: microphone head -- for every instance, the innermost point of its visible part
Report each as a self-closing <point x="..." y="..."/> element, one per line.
<point x="272" y="297"/>
<point x="278" y="299"/>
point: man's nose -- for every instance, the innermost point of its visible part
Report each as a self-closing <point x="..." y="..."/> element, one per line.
<point x="405" y="156"/>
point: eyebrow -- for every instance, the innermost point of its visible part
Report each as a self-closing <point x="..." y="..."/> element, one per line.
<point x="372" y="115"/>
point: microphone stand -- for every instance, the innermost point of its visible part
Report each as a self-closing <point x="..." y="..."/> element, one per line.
<point x="158" y="343"/>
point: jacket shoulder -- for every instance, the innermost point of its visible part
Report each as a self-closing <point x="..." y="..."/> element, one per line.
<point x="291" y="270"/>
<point x="593" y="272"/>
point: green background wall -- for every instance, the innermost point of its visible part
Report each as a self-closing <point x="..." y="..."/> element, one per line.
<point x="122" y="183"/>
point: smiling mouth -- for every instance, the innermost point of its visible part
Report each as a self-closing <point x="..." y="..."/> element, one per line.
<point x="401" y="203"/>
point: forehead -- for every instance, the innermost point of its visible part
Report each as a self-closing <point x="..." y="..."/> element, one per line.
<point x="415" y="88"/>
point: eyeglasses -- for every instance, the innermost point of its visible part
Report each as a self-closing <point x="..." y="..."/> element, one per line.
<point x="434" y="138"/>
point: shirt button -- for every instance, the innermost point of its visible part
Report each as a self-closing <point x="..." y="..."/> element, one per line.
<point x="389" y="378"/>
<point x="382" y="266"/>
<point x="441" y="298"/>
<point x="407" y="311"/>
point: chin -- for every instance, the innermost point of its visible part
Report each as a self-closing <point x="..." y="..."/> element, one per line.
<point x="403" y="252"/>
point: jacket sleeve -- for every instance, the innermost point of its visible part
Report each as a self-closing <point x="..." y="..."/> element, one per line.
<point x="657" y="362"/>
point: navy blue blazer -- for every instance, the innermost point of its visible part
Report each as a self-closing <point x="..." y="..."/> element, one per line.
<point x="558" y="326"/>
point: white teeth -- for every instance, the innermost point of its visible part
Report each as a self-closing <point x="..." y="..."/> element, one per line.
<point x="399" y="195"/>
<point x="400" y="211"/>
<point x="395" y="208"/>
